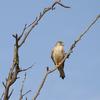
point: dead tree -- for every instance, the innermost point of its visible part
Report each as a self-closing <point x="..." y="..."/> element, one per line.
<point x="20" y="40"/>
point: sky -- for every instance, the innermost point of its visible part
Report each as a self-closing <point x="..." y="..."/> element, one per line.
<point x="82" y="69"/>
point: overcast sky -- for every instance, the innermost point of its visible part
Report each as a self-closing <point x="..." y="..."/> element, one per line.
<point x="82" y="69"/>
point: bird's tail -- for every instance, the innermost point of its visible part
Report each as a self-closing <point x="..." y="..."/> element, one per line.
<point x="62" y="74"/>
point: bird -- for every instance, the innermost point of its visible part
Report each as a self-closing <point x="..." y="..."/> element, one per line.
<point x="57" y="55"/>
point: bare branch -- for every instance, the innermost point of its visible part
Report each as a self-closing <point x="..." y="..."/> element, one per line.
<point x="21" y="90"/>
<point x="32" y="22"/>
<point x="62" y="5"/>
<point x="10" y="93"/>
<point x="4" y="84"/>
<point x="27" y="92"/>
<point x="26" y="98"/>
<point x="22" y="32"/>
<point x="40" y="86"/>
<point x="29" y="28"/>
<point x="67" y="54"/>
<point x="25" y="69"/>
<point x="14" y="35"/>
<point x="1" y="96"/>
<point x="81" y="35"/>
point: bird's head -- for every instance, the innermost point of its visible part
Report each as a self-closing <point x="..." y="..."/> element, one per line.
<point x="60" y="43"/>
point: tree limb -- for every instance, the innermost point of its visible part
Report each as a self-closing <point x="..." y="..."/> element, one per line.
<point x="22" y="87"/>
<point x="10" y="93"/>
<point x="66" y="57"/>
<point x="28" y="29"/>
<point x="4" y="84"/>
<point x="22" y="32"/>
<point x="21" y="90"/>
<point x="27" y="92"/>
<point x="25" y="69"/>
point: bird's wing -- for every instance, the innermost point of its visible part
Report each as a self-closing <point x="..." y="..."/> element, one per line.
<point x="52" y="56"/>
<point x="63" y="58"/>
<point x="62" y="65"/>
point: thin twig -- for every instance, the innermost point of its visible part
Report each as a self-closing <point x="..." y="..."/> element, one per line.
<point x="25" y="69"/>
<point x="32" y="22"/>
<point x="1" y="96"/>
<point x="67" y="54"/>
<point x="22" y="32"/>
<point x="10" y="93"/>
<point x="27" y="92"/>
<point x="62" y="5"/>
<point x="22" y="87"/>
<point x="21" y="90"/>
<point x="4" y="84"/>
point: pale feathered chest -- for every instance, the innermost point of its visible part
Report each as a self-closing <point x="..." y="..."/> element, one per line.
<point x="58" y="53"/>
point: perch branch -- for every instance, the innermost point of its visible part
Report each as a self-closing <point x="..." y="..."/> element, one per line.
<point x="67" y="54"/>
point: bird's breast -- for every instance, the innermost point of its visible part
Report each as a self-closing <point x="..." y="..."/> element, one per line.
<point x="58" y="54"/>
